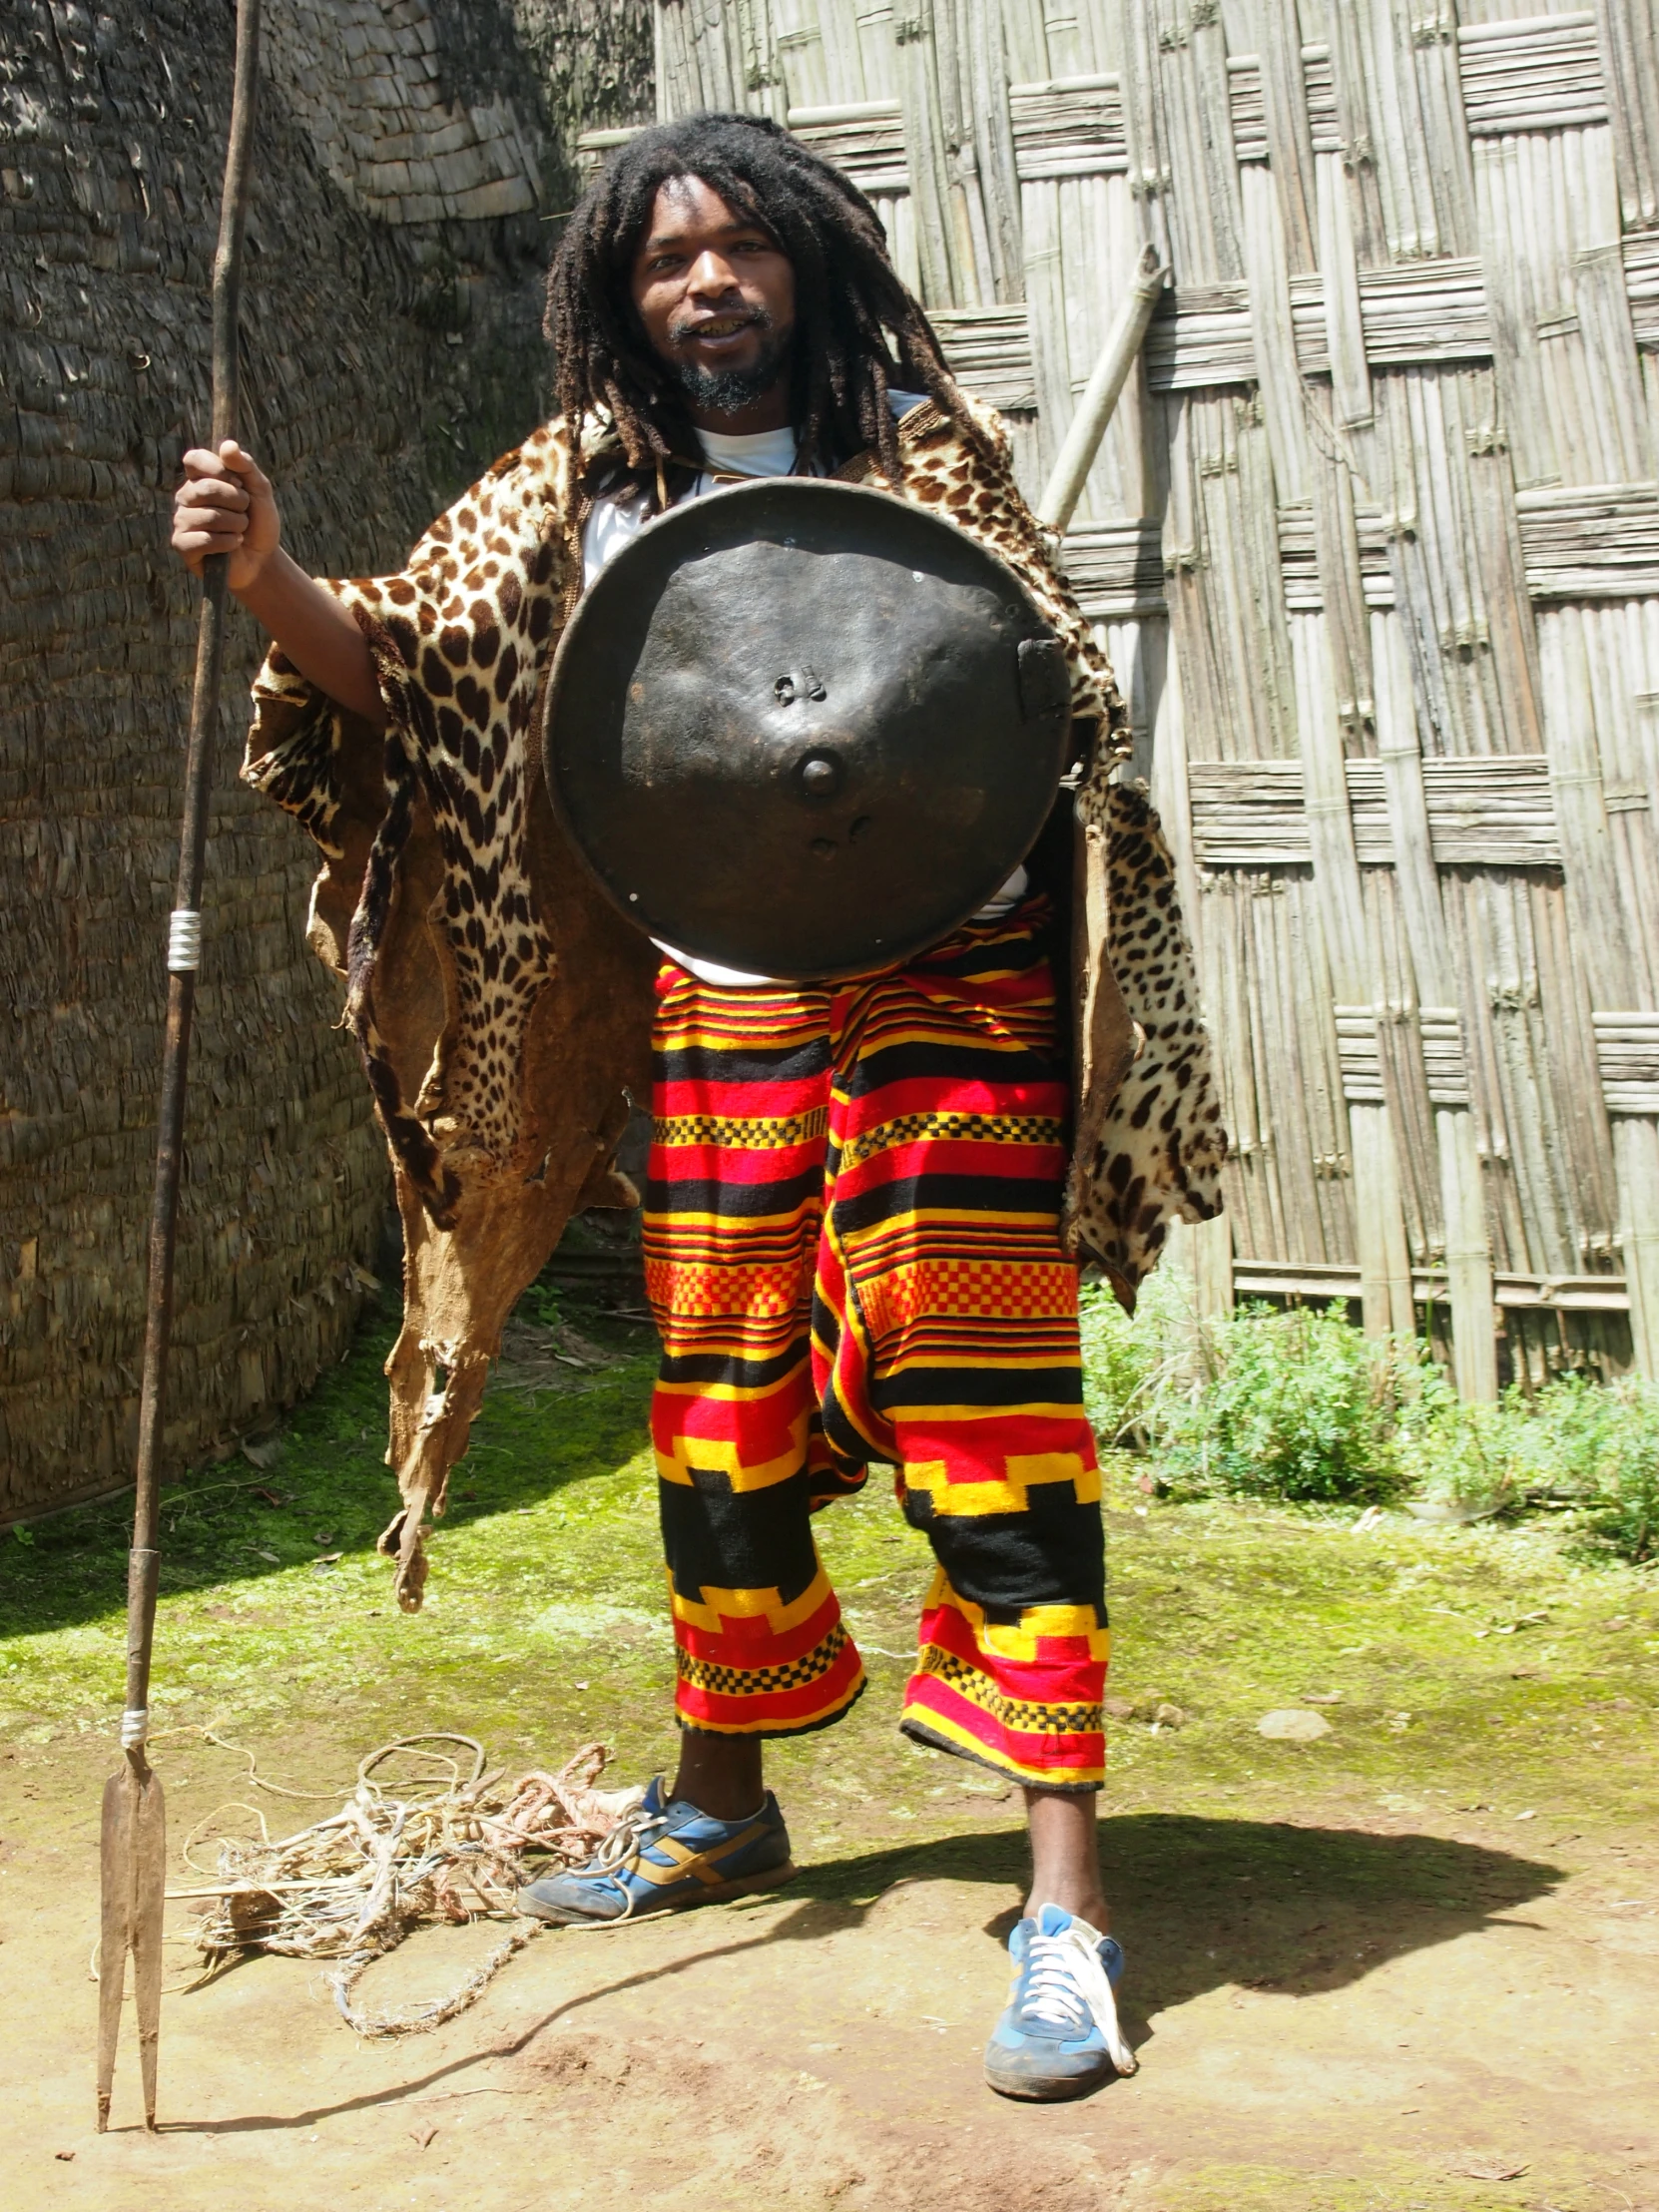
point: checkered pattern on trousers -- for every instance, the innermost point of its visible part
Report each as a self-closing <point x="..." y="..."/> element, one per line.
<point x="1018" y="1714"/>
<point x="791" y="1674"/>
<point x="975" y="1128"/>
<point x="753" y="1134"/>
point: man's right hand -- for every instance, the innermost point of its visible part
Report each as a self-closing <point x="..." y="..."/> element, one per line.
<point x="226" y="505"/>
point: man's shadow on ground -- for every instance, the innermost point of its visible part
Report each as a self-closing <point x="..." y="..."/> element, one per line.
<point x="1210" y="1902"/>
<point x="1204" y="1903"/>
<point x="1199" y="1902"/>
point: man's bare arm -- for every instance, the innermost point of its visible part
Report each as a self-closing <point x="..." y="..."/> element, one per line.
<point x="226" y="505"/>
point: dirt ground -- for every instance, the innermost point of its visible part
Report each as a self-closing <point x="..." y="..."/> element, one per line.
<point x="1330" y="2011"/>
<point x="1413" y="1966"/>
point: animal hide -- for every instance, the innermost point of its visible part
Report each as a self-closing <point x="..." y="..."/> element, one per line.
<point x="501" y="1006"/>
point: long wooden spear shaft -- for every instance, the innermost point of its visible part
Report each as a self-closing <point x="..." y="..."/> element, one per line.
<point x="135" y="1821"/>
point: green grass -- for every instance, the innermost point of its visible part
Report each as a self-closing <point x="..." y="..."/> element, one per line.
<point x="1471" y="1665"/>
<point x="1491" y="1730"/>
<point x="551" y="1509"/>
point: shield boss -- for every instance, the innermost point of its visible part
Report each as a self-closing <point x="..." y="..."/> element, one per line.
<point x="804" y="728"/>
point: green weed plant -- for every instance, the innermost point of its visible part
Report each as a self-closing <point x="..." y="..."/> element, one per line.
<point x="1303" y="1407"/>
<point x="1577" y="1443"/>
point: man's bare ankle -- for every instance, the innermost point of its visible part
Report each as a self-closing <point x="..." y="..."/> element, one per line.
<point x="720" y="1776"/>
<point x="1065" y="1862"/>
<point x="720" y="1805"/>
<point x="1093" y="1911"/>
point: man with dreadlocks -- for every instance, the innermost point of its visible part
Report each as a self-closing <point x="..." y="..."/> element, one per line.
<point x="861" y="1238"/>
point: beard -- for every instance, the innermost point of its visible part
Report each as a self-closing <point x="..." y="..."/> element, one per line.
<point x="725" y="390"/>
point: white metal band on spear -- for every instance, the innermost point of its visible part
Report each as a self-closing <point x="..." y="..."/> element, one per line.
<point x="134" y="1823"/>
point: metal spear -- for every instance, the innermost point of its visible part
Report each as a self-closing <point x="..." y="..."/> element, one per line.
<point x="135" y="1819"/>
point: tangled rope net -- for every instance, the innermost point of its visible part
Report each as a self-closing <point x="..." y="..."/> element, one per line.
<point x="438" y="1848"/>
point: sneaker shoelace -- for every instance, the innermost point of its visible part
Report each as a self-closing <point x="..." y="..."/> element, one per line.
<point x="1066" y="1985"/>
<point x="638" y="1826"/>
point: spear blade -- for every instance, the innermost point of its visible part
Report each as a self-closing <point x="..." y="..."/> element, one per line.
<point x="134" y="1880"/>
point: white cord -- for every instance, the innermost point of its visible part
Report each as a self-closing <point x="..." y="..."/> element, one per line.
<point x="184" y="940"/>
<point x="135" y="1726"/>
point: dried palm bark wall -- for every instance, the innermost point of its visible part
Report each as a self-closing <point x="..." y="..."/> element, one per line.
<point x="1375" y="545"/>
<point x="404" y="165"/>
<point x="594" y="61"/>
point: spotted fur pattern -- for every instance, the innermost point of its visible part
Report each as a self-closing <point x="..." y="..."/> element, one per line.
<point x="462" y="640"/>
<point x="299" y="773"/>
<point x="1159" y="1155"/>
<point x="1160" y="1145"/>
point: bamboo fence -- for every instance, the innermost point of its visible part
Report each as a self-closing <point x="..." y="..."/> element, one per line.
<point x="1374" y="543"/>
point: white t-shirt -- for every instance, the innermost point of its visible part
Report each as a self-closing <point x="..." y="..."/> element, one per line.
<point x="614" y="522"/>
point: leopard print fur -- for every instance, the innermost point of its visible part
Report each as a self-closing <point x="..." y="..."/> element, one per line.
<point x="1160" y="1146"/>
<point x="460" y="641"/>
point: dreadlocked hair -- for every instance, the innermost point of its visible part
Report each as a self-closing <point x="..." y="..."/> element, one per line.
<point x="859" y="330"/>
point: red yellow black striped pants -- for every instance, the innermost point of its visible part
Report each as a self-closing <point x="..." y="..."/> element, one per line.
<point x="852" y="1244"/>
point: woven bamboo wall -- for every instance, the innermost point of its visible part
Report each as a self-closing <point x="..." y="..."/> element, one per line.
<point x="392" y="346"/>
<point x="1375" y="545"/>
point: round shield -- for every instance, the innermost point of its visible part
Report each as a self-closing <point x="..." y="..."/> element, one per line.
<point x="804" y="728"/>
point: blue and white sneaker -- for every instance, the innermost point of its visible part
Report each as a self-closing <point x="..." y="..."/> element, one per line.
<point x="662" y="1857"/>
<point x="1059" y="2035"/>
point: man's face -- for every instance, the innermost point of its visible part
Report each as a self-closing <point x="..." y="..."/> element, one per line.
<point x="716" y="296"/>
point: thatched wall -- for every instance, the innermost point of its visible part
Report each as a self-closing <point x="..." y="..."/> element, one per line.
<point x="391" y="348"/>
<point x="1375" y="545"/>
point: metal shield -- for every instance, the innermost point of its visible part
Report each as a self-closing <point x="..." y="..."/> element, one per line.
<point x="805" y="728"/>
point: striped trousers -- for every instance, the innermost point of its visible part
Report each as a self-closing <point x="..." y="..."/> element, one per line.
<point x="852" y="1249"/>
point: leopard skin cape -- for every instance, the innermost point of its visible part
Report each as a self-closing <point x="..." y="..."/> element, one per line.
<point x="501" y="1007"/>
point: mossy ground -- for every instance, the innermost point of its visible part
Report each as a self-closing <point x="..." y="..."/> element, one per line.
<point x="1475" y="1664"/>
<point x="1490" y="1704"/>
